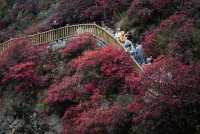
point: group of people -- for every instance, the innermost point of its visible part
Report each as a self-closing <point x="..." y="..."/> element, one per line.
<point x="133" y="48"/>
<point x="126" y="39"/>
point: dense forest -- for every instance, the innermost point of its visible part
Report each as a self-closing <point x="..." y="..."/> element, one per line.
<point x="86" y="89"/>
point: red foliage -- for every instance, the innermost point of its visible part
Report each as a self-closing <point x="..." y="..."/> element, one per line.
<point x="150" y="38"/>
<point x="103" y="9"/>
<point x="150" y="45"/>
<point x="159" y="4"/>
<point x="171" y="95"/>
<point x="168" y="84"/>
<point x="18" y="64"/>
<point x="66" y="8"/>
<point x="22" y="50"/>
<point x="102" y="71"/>
<point x="173" y="37"/>
<point x="9" y="56"/>
<point x="175" y="19"/>
<point x="147" y="8"/>
<point x="133" y="83"/>
<point x="75" y="47"/>
<point x="113" y="61"/>
<point x="187" y="27"/>
<point x="66" y="89"/>
<point x="135" y="107"/>
<point x="22" y="76"/>
<point x="108" y="65"/>
<point x="103" y="120"/>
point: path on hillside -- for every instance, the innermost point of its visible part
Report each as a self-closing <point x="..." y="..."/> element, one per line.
<point x="66" y="33"/>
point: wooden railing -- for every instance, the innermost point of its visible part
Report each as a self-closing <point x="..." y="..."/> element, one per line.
<point x="67" y="32"/>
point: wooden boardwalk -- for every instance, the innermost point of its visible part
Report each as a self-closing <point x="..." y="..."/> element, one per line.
<point x="66" y="33"/>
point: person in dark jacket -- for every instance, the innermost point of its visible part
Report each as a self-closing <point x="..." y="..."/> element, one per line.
<point x="55" y="24"/>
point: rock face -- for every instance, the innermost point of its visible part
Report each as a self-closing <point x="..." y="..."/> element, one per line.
<point x="21" y="117"/>
<point x="29" y="125"/>
<point x="5" y="122"/>
<point x="61" y="43"/>
<point x="57" y="44"/>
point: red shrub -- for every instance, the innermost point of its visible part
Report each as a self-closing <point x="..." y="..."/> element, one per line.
<point x="102" y="71"/>
<point x="21" y="76"/>
<point x="22" y="50"/>
<point x="173" y="20"/>
<point x="113" y="62"/>
<point x="104" y="9"/>
<point x="188" y="26"/>
<point x="170" y="88"/>
<point x="150" y="45"/>
<point x="174" y="37"/>
<point x="68" y="7"/>
<point x="66" y="89"/>
<point x="159" y="4"/>
<point x="133" y="83"/>
<point x="103" y="66"/>
<point x="18" y="64"/>
<point x="8" y="58"/>
<point x="75" y="47"/>
<point x="150" y="38"/>
<point x="111" y="119"/>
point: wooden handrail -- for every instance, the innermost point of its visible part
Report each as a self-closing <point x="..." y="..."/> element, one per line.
<point x="67" y="32"/>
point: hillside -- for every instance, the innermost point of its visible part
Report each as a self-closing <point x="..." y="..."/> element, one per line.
<point x="84" y="88"/>
<point x="30" y="16"/>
